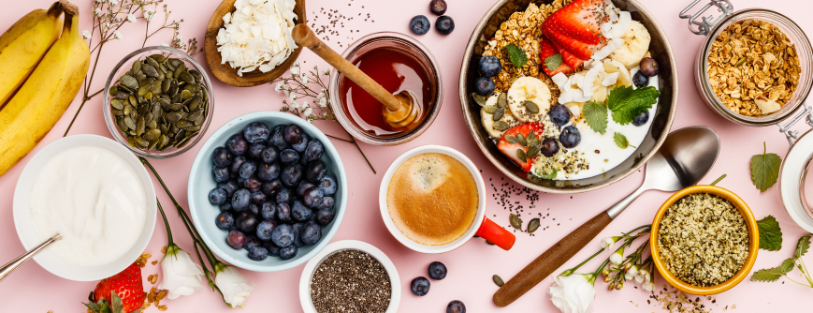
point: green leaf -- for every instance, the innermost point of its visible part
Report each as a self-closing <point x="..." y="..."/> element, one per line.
<point x="551" y="175"/>
<point x="516" y="55"/>
<point x="552" y="62"/>
<point x="595" y="114"/>
<point x="765" y="169"/>
<point x="627" y="103"/>
<point x="621" y="141"/>
<point x="117" y="304"/>
<point x="770" y="235"/>
<point x="802" y="246"/>
<point x="787" y="265"/>
<point x="772" y="274"/>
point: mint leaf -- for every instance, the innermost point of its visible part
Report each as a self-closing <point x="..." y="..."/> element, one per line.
<point x="765" y="169"/>
<point x="551" y="175"/>
<point x="516" y="55"/>
<point x="772" y="274"/>
<point x="770" y="235"/>
<point x="627" y="103"/>
<point x="621" y="141"/>
<point x="595" y="114"/>
<point x="552" y="62"/>
<point x="802" y="246"/>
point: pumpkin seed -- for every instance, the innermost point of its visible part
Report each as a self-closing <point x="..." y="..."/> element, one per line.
<point x="532" y="151"/>
<point x="117" y="104"/>
<point x="490" y="109"/>
<point x="498" y="114"/>
<point x="128" y="81"/>
<point x="533" y="225"/>
<point x="521" y="155"/>
<point x="502" y="100"/>
<point x="481" y="100"/>
<point x="531" y="106"/>
<point x="497" y="280"/>
<point x="515" y="221"/>
<point x="510" y="138"/>
<point x="521" y="139"/>
<point x="500" y="126"/>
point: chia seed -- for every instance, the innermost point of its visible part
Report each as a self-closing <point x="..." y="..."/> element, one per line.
<point x="351" y="281"/>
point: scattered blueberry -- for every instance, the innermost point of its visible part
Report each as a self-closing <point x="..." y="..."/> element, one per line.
<point x="268" y="172"/>
<point x="271" y="188"/>
<point x="640" y="120"/>
<point x="218" y="196"/>
<point x="327" y="203"/>
<point x="236" y="239"/>
<point x="293" y="134"/>
<point x="314" y="151"/>
<point x="237" y="144"/>
<point x="265" y="228"/>
<point x="230" y="187"/>
<point x="269" y="155"/>
<point x="484" y="86"/>
<point x="570" y="136"/>
<point x="299" y="212"/>
<point x="313" y="197"/>
<point x="253" y="184"/>
<point x="240" y="200"/>
<point x="288" y="156"/>
<point x="310" y="233"/>
<point x="284" y="213"/>
<point x="438" y="7"/>
<point x="258" y="198"/>
<point x="316" y="171"/>
<point x="284" y="196"/>
<point x="302" y="145"/>
<point x="437" y="270"/>
<point x="292" y="175"/>
<point x="258" y="253"/>
<point x="268" y="211"/>
<point x="549" y="147"/>
<point x="324" y="216"/>
<point x="420" y="286"/>
<point x="303" y="186"/>
<point x="297" y="229"/>
<point x="444" y="25"/>
<point x="328" y="185"/>
<point x="288" y="252"/>
<point x="224" y="221"/>
<point x="419" y="25"/>
<point x="559" y="115"/>
<point x="247" y="222"/>
<point x="222" y="157"/>
<point x="456" y="307"/>
<point x="640" y="79"/>
<point x="649" y="67"/>
<point x="256" y="132"/>
<point x="277" y="138"/>
<point x="283" y="235"/>
<point x="220" y="174"/>
<point x="489" y="66"/>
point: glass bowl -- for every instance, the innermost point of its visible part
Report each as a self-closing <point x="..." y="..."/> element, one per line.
<point x="803" y="51"/>
<point x="123" y="67"/>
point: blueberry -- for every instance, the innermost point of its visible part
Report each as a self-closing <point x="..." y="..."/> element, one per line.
<point x="220" y="174"/>
<point x="253" y="184"/>
<point x="240" y="200"/>
<point x="284" y="213"/>
<point x="444" y="25"/>
<point x="222" y="157"/>
<point x="236" y="239"/>
<point x="456" y="307"/>
<point x="484" y="86"/>
<point x="570" y="137"/>
<point x="252" y="242"/>
<point x="640" y="120"/>
<point x="224" y="221"/>
<point x="292" y="175"/>
<point x="258" y="198"/>
<point x="419" y="25"/>
<point x="265" y="229"/>
<point x="438" y="7"/>
<point x="269" y="155"/>
<point x="283" y="235"/>
<point x="327" y="203"/>
<point x="310" y="233"/>
<point x="549" y="147"/>
<point x="316" y="171"/>
<point x="640" y="79"/>
<point x="313" y="197"/>
<point x="230" y="186"/>
<point x="314" y="151"/>
<point x="247" y="222"/>
<point x="271" y="188"/>
<point x="268" y="172"/>
<point x="489" y="66"/>
<point x="235" y="166"/>
<point x="271" y="247"/>
<point x="299" y="212"/>
<point x="302" y="145"/>
<point x="255" y="151"/>
<point x="292" y="134"/>
<point x="256" y="132"/>
<point x="420" y="286"/>
<point x="288" y="252"/>
<point x="253" y="209"/>
<point x="328" y="185"/>
<point x="437" y="270"/>
<point x="268" y="211"/>
<point x="284" y="196"/>
<point x="225" y="207"/>
<point x="247" y="169"/>
<point x="237" y="144"/>
<point x="297" y="229"/>
<point x="241" y="181"/>
<point x="288" y="156"/>
<point x="559" y="115"/>
<point x="303" y="186"/>
<point x="649" y="67"/>
<point x="277" y="138"/>
<point x="324" y="216"/>
<point x="258" y="253"/>
<point x="218" y="196"/>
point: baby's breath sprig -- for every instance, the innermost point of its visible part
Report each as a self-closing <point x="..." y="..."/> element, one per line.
<point x="618" y="269"/>
<point x="109" y="16"/>
<point x="302" y="87"/>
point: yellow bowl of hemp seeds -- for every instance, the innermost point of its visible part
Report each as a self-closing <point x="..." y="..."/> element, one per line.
<point x="704" y="240"/>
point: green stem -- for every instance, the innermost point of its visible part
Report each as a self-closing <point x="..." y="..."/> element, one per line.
<point x="603" y="265"/>
<point x="166" y="223"/>
<point x="719" y="179"/>
<point x="85" y="98"/>
<point x="791" y="279"/>
<point x="572" y="270"/>
<point x="806" y="273"/>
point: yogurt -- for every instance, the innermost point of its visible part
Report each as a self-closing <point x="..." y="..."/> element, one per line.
<point x="95" y="200"/>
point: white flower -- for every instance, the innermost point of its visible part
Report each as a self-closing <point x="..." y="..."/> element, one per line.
<point x="182" y="276"/>
<point x="292" y="97"/>
<point x="573" y="294"/>
<point x="117" y="35"/>
<point x="308" y="113"/>
<point x="295" y="69"/>
<point x="642" y="277"/>
<point x="178" y="39"/>
<point x="114" y="2"/>
<point x="86" y="34"/>
<point x="100" y="1"/>
<point x="278" y="88"/>
<point x="305" y="80"/>
<point x="633" y="271"/>
<point x="618" y="256"/>
<point x="131" y="18"/>
<point x="608" y="242"/>
<point x="323" y="101"/>
<point x="97" y="12"/>
<point x="233" y="285"/>
<point x="293" y="106"/>
<point x="164" y="44"/>
<point x="148" y="14"/>
<point x="650" y="286"/>
<point x="326" y="72"/>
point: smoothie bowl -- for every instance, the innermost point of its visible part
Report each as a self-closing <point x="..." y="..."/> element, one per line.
<point x="563" y="110"/>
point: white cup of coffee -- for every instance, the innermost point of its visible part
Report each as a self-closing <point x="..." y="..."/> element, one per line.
<point x="433" y="200"/>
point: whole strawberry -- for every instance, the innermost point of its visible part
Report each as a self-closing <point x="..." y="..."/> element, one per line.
<point x="121" y="293"/>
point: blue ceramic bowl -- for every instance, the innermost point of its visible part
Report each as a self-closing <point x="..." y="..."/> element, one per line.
<point x="204" y="213"/>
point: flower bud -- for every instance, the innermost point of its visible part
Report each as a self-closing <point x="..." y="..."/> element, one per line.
<point x="618" y="256"/>
<point x="611" y="286"/>
<point x="628" y="266"/>
<point x="607" y="279"/>
<point x="605" y="272"/>
<point x="619" y="285"/>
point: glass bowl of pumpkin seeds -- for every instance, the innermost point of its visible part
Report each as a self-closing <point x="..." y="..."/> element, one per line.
<point x="159" y="102"/>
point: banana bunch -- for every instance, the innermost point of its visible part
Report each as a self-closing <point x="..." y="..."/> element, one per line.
<point x="48" y="83"/>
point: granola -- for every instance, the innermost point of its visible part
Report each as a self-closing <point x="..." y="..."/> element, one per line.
<point x="753" y="62"/>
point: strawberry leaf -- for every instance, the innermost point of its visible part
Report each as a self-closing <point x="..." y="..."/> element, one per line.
<point x="627" y="103"/>
<point x="516" y="55"/>
<point x="765" y="169"/>
<point x="595" y="114"/>
<point x="117" y="304"/>
<point x="552" y="62"/>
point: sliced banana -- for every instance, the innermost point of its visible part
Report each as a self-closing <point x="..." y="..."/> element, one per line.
<point x="488" y="119"/>
<point x="624" y="77"/>
<point x="530" y="89"/>
<point x="636" y="44"/>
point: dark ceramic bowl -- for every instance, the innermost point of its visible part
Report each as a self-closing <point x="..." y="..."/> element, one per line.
<point x="667" y="103"/>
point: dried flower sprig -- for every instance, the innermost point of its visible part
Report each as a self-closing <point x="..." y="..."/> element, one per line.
<point x="633" y="267"/>
<point x="109" y="16"/>
<point x="300" y="87"/>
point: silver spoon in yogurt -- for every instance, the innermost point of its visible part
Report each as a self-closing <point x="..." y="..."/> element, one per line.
<point x="9" y="267"/>
<point x="684" y="158"/>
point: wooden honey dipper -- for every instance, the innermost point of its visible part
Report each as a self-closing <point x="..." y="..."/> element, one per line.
<point x="400" y="110"/>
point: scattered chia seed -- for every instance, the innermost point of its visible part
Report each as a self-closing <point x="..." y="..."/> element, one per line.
<point x="351" y="281"/>
<point x="332" y="22"/>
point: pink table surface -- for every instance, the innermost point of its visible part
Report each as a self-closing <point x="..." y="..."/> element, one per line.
<point x="32" y="289"/>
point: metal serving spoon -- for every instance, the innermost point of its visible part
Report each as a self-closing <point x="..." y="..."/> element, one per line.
<point x="682" y="161"/>
<point x="5" y="270"/>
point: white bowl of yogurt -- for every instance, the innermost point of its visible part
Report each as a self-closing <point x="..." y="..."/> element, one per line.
<point x="97" y="195"/>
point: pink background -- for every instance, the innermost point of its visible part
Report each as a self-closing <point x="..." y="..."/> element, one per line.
<point x="470" y="267"/>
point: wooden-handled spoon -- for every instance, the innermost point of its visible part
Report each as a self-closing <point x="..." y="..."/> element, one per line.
<point x="400" y="110"/>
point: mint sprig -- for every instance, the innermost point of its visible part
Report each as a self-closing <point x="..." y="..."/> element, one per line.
<point x="553" y="62"/>
<point x="627" y="103"/>
<point x="621" y="141"/>
<point x="770" y="235"/>
<point x="595" y="114"/>
<point x="516" y="55"/>
<point x="765" y="169"/>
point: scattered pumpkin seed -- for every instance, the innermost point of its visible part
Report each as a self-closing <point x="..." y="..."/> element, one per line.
<point x="532" y="151"/>
<point x="490" y="109"/>
<point x="481" y="100"/>
<point x="510" y="138"/>
<point x="502" y="100"/>
<point x="521" y="155"/>
<point x="533" y="225"/>
<point x="521" y="139"/>
<point x="515" y="221"/>
<point x="531" y="106"/>
<point x="498" y="114"/>
<point x="497" y="280"/>
<point x="500" y="126"/>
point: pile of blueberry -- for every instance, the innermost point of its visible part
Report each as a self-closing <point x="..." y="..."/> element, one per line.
<point x="273" y="189"/>
<point x="488" y="66"/>
<point x="420" y="25"/>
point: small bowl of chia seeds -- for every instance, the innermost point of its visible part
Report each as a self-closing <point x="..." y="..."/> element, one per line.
<point x="350" y="276"/>
<point x="704" y="240"/>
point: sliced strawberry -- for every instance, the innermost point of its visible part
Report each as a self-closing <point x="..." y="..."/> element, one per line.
<point x="569" y="59"/>
<point x="546" y="50"/>
<point x="579" y="49"/>
<point x="510" y="149"/>
<point x="580" y="20"/>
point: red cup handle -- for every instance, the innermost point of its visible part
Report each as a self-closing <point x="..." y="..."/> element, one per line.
<point x="496" y="234"/>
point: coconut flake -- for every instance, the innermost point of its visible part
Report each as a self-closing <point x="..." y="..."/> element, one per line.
<point x="624" y="21"/>
<point x="605" y="51"/>
<point x="610" y="79"/>
<point x="257" y="35"/>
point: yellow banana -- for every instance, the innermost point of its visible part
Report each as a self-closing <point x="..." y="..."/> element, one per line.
<point x="45" y="96"/>
<point x="23" y="45"/>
